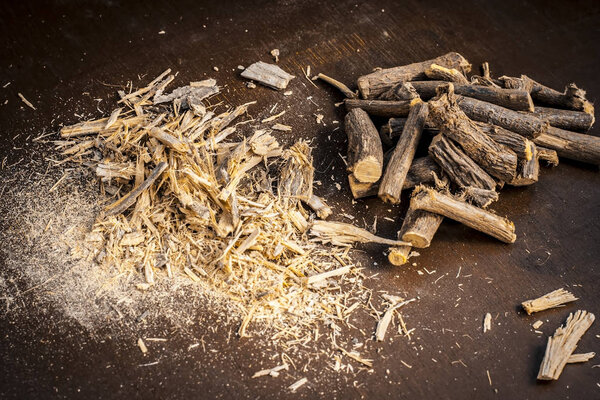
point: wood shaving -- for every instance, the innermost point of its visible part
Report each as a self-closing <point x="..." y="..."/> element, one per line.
<point x="487" y="322"/>
<point x="551" y="300"/>
<point x="562" y="344"/>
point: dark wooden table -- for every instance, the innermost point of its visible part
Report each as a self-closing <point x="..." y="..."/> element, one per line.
<point x="54" y="52"/>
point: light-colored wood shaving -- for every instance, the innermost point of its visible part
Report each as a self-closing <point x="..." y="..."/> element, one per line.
<point x="296" y="385"/>
<point x="487" y="322"/>
<point x="562" y="344"/>
<point x="553" y="299"/>
<point x="142" y="346"/>
<point x="580" y="358"/>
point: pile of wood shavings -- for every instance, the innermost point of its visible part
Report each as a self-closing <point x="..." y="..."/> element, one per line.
<point x="228" y="215"/>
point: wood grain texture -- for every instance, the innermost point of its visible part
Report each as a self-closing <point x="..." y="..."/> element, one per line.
<point x="365" y="154"/>
<point x="372" y="85"/>
<point x="571" y="145"/>
<point x="395" y="173"/>
<point x="381" y="108"/>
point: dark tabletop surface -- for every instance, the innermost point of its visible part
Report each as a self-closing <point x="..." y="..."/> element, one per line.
<point x="53" y="52"/>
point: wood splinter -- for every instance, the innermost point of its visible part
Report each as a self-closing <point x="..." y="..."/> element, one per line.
<point x="435" y="71"/>
<point x="338" y="85"/>
<point x="477" y="218"/>
<point x="365" y="153"/>
<point x="550" y="300"/>
<point x="402" y="157"/>
<point x="562" y="344"/>
<point x="342" y="234"/>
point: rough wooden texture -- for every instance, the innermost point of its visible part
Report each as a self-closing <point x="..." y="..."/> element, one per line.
<point x="474" y="217"/>
<point x="514" y="99"/>
<point x="365" y="154"/>
<point x="422" y="171"/>
<point x="572" y="98"/>
<point x="548" y="155"/>
<point x="563" y="343"/>
<point x="566" y="119"/>
<point x="319" y="206"/>
<point x="525" y="124"/>
<point x="402" y="157"/>
<point x="381" y="108"/>
<point x="495" y="159"/>
<point x="478" y="196"/>
<point x="571" y="145"/>
<point x="419" y="227"/>
<point x="517" y="143"/>
<point x="268" y="74"/>
<point x="528" y="170"/>
<point x="128" y="200"/>
<point x="342" y="234"/>
<point x="554" y="299"/>
<point x="373" y="84"/>
<point x="459" y="167"/>
<point x="435" y="71"/>
<point x="401" y="91"/>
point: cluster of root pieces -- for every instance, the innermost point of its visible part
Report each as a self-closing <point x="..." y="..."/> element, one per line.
<point x="482" y="133"/>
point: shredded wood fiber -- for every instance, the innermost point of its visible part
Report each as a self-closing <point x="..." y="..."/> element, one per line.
<point x="205" y="200"/>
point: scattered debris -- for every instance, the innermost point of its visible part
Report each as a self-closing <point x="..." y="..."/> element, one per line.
<point x="274" y="372"/>
<point x="142" y="346"/>
<point x="537" y="324"/>
<point x="275" y="54"/>
<point x="296" y="385"/>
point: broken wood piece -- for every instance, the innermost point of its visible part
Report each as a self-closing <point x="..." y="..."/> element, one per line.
<point x="142" y="346"/>
<point x="487" y="322"/>
<point x="365" y="153"/>
<point x="373" y="84"/>
<point x="397" y="168"/>
<point x="478" y="196"/>
<point x="114" y="116"/>
<point x="522" y="146"/>
<point x="281" y="127"/>
<point x="268" y="74"/>
<point x="572" y="98"/>
<point x="311" y="280"/>
<point x="566" y="119"/>
<point x="496" y="160"/>
<point x="527" y="170"/>
<point x="296" y="385"/>
<point x="384" y="322"/>
<point x="381" y="108"/>
<point x="524" y="124"/>
<point x="338" y="85"/>
<point x="274" y="372"/>
<point x="580" y="358"/>
<point x="401" y="91"/>
<point x="188" y="96"/>
<point x="169" y="140"/>
<point x="437" y="72"/>
<point x="249" y="241"/>
<point x="548" y="155"/>
<point x="514" y="99"/>
<point x="571" y="145"/>
<point x="419" y="227"/>
<point x="553" y="299"/>
<point x="128" y="200"/>
<point x="342" y="234"/>
<point x="459" y="167"/>
<point x="562" y="344"/>
<point x="297" y="173"/>
<point x="477" y="218"/>
<point x="318" y="205"/>
<point x="422" y="171"/>
<point x="399" y="255"/>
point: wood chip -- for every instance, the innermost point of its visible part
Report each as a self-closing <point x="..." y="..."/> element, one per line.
<point x="561" y="346"/>
<point x="142" y="346"/>
<point x="384" y="322"/>
<point x="487" y="322"/>
<point x="268" y="74"/>
<point x="274" y="372"/>
<point x="580" y="358"/>
<point x="296" y="385"/>
<point x="537" y="324"/>
<point x="553" y="299"/>
<point x="281" y="127"/>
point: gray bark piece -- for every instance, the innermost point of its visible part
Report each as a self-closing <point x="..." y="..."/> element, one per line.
<point x="268" y="74"/>
<point x="187" y="95"/>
